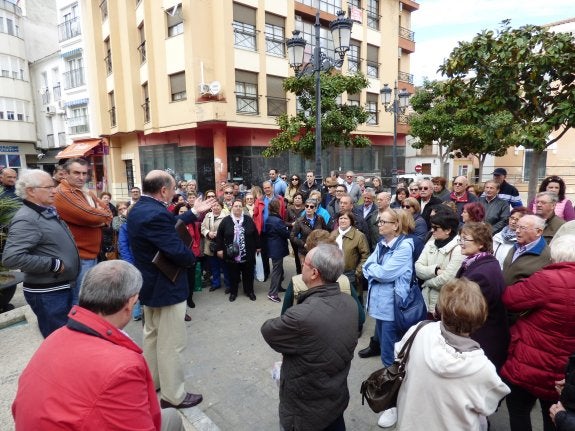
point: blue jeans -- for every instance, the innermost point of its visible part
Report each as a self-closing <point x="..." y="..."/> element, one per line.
<point x="51" y="308"/>
<point x="85" y="266"/>
<point x="387" y="334"/>
<point x="217" y="266"/>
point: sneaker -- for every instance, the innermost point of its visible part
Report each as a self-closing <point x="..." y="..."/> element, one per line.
<point x="274" y="298"/>
<point x="388" y="418"/>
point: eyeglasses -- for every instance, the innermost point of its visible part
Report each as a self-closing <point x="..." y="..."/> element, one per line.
<point x="464" y="240"/>
<point x="384" y="222"/>
<point x="523" y="228"/>
<point x="414" y="190"/>
<point x="543" y="202"/>
<point x="45" y="187"/>
<point x="228" y="193"/>
<point x="424" y="188"/>
<point x="295" y="179"/>
<point x="310" y="206"/>
<point x="457" y="184"/>
<point x="514" y="218"/>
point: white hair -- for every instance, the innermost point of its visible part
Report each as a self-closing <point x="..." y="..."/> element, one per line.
<point x="29" y="179"/>
<point x="563" y="249"/>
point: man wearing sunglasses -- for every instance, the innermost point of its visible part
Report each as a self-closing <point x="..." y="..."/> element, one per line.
<point x="460" y="196"/>
<point x="426" y="200"/>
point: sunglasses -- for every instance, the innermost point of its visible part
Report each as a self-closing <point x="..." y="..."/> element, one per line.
<point x="406" y="206"/>
<point x="295" y="179"/>
<point x="413" y="190"/>
<point x="310" y="206"/>
<point x="424" y="188"/>
<point x="228" y="193"/>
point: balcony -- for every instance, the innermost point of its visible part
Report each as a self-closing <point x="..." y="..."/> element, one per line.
<point x="406" y="81"/>
<point x="108" y="61"/>
<point x="112" y="113"/>
<point x="74" y="78"/>
<point x="406" y="39"/>
<point x="46" y="98"/>
<point x="142" y="51"/>
<point x="50" y="141"/>
<point x="77" y="125"/>
<point x="69" y="29"/>
<point x="409" y="5"/>
<point x="57" y="92"/>
<point x="146" y="108"/>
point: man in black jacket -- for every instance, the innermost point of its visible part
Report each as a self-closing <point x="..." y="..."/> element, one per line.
<point x="317" y="338"/>
<point x="427" y="200"/>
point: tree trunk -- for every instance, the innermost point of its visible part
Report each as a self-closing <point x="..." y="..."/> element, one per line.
<point x="481" y="158"/>
<point x="533" y="176"/>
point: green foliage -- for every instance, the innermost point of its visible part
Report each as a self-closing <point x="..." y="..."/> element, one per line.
<point x="338" y="122"/>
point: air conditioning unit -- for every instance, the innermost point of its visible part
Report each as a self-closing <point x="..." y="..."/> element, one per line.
<point x="50" y="110"/>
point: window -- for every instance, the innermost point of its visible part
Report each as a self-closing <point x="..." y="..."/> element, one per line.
<point x="178" y="86"/>
<point x="355" y="3"/>
<point x="308" y="33"/>
<point x="275" y="39"/>
<point x="142" y="46"/>
<point x="74" y="75"/>
<point x="146" y="104"/>
<point x="246" y="92"/>
<point x="10" y="115"/>
<point x="10" y="26"/>
<point x="277" y="103"/>
<point x="244" y="27"/>
<point x="78" y="120"/>
<point x="331" y="6"/>
<point x="353" y="58"/>
<point x="175" y="21"/>
<point x="11" y="67"/>
<point x="112" y="111"/>
<point x="528" y="157"/>
<point x="373" y="14"/>
<point x="353" y="99"/>
<point x="104" y="10"/>
<point x="372" y="61"/>
<point x="71" y="26"/>
<point x="108" y="57"/>
<point x="371" y="108"/>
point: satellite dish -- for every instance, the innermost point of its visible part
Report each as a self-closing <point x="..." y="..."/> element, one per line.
<point x="215" y="87"/>
<point x="204" y="88"/>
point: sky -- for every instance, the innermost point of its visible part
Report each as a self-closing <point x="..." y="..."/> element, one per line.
<point x="440" y="24"/>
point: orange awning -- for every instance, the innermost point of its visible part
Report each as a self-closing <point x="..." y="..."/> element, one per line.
<point x="78" y="149"/>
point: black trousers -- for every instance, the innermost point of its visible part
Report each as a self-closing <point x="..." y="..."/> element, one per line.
<point x="246" y="270"/>
<point x="520" y="402"/>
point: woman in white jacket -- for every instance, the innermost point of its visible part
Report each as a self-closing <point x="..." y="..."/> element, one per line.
<point x="441" y="257"/>
<point x="450" y="384"/>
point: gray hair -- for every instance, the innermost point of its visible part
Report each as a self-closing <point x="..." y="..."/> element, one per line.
<point x="429" y="183"/>
<point x="536" y="221"/>
<point x="563" y="249"/>
<point x="107" y="287"/>
<point x="552" y="196"/>
<point x="328" y="260"/>
<point x="369" y="191"/>
<point x="29" y="179"/>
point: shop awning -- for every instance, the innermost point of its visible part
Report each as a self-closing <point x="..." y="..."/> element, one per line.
<point x="78" y="149"/>
<point x="72" y="53"/>
<point x="77" y="102"/>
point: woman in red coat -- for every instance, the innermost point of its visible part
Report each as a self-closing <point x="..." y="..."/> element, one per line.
<point x="543" y="337"/>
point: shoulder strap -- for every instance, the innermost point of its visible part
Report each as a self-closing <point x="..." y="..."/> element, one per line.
<point x="403" y="355"/>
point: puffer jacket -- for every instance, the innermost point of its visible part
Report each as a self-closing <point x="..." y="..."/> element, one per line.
<point x="543" y="338"/>
<point x="448" y="258"/>
<point x="317" y="338"/>
<point x="36" y="238"/>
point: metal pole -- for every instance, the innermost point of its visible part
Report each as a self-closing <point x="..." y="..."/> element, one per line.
<point x="317" y="67"/>
<point x="394" y="149"/>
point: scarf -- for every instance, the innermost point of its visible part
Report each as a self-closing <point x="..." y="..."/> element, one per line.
<point x="239" y="237"/>
<point x="464" y="198"/>
<point x="339" y="239"/>
<point x="508" y="235"/>
<point x="443" y="242"/>
<point x="471" y="259"/>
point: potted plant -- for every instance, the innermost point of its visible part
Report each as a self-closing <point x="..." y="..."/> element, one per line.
<point x="8" y="279"/>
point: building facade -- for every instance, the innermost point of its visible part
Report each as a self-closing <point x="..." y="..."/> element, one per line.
<point x="196" y="86"/>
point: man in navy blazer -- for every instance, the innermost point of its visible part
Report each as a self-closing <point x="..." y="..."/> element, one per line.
<point x="151" y="228"/>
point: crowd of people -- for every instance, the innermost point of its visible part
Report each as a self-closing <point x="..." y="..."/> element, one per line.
<point x="496" y="276"/>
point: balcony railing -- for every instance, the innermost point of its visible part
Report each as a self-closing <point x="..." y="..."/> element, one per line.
<point x="146" y="108"/>
<point x="57" y="92"/>
<point x="112" y="113"/>
<point x="276" y="106"/>
<point x="78" y="124"/>
<point x="405" y="77"/>
<point x="74" y="78"/>
<point x="69" y="29"/>
<point x="108" y="61"/>
<point x="406" y="34"/>
<point x="46" y="98"/>
<point x="142" y="50"/>
<point x="104" y="10"/>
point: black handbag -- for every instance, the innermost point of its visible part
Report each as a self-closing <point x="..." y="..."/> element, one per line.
<point x="382" y="386"/>
<point x="213" y="247"/>
<point x="232" y="250"/>
<point x="410" y="311"/>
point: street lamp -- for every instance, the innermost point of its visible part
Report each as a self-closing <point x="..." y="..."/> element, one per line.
<point x="398" y="105"/>
<point x="341" y="33"/>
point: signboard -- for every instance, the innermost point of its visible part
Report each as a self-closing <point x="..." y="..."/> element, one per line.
<point x="418" y="168"/>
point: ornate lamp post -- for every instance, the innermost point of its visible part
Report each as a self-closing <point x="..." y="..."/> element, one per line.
<point x="341" y="33"/>
<point x="398" y="105"/>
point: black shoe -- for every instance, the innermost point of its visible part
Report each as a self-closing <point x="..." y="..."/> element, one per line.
<point x="281" y="289"/>
<point x="232" y="297"/>
<point x="372" y="350"/>
<point x="190" y="400"/>
<point x="213" y="288"/>
<point x="191" y="303"/>
<point x="252" y="296"/>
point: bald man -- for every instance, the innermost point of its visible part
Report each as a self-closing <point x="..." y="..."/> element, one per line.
<point x="151" y="228"/>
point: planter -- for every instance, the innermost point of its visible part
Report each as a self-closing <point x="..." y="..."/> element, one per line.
<point x="8" y="282"/>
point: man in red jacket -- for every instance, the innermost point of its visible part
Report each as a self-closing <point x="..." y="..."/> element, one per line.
<point x="90" y="375"/>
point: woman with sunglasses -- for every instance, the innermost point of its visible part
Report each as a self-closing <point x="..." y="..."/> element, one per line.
<point x="302" y="227"/>
<point x="400" y="195"/>
<point x="441" y="257"/>
<point x="564" y="207"/>
<point x="412" y="207"/>
<point x="294" y="185"/>
<point x="480" y="266"/>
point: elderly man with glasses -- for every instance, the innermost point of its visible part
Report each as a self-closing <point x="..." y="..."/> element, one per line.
<point x="426" y="200"/>
<point x="530" y="253"/>
<point x="545" y="208"/>
<point x="460" y="196"/>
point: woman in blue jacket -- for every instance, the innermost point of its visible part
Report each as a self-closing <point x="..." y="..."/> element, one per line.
<point x="277" y="234"/>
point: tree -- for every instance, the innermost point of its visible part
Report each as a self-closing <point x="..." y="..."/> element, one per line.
<point x="338" y="122"/>
<point x="459" y="122"/>
<point x="525" y="72"/>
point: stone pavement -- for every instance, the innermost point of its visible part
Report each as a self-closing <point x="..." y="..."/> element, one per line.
<point x="230" y="364"/>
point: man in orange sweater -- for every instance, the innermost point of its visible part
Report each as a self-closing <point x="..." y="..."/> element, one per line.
<point x="85" y="215"/>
